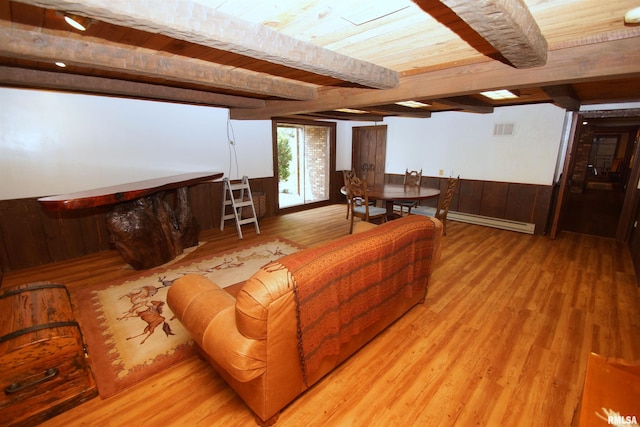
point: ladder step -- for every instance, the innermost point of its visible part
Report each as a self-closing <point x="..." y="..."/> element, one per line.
<point x="246" y="221"/>
<point x="238" y="187"/>
<point x="243" y="203"/>
<point x="238" y="202"/>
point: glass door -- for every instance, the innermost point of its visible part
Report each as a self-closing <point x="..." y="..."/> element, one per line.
<point x="303" y="161"/>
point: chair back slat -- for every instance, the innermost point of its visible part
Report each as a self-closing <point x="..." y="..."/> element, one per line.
<point x="445" y="201"/>
<point x="412" y="177"/>
<point x="358" y="189"/>
<point x="359" y="200"/>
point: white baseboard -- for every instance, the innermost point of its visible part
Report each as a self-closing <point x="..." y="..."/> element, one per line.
<point x="505" y="224"/>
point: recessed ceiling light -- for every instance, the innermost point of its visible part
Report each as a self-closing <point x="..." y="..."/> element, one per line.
<point x="632" y="16"/>
<point x="61" y="64"/>
<point x="499" y="94"/>
<point x="413" y="104"/>
<point x="350" y="110"/>
<point x="78" y="22"/>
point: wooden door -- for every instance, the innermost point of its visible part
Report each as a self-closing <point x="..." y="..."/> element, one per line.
<point x="575" y="175"/>
<point x="565" y="181"/>
<point x="369" y="152"/>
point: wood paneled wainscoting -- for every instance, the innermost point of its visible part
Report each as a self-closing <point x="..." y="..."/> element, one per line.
<point x="31" y="236"/>
<point x="523" y="203"/>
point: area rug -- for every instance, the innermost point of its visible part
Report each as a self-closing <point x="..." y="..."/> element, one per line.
<point x="130" y="331"/>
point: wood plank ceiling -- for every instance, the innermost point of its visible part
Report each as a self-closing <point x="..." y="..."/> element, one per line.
<point x="310" y="58"/>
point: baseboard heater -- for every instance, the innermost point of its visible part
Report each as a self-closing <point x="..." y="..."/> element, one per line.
<point x="505" y="224"/>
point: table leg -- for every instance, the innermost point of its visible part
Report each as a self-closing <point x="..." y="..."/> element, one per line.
<point x="148" y="232"/>
<point x="389" y="205"/>
<point x="187" y="224"/>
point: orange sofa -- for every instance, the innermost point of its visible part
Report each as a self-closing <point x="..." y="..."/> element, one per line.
<point x="297" y="318"/>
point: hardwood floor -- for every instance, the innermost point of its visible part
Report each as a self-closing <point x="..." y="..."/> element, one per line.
<point x="502" y="338"/>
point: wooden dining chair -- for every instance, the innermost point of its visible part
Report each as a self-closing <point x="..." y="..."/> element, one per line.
<point x="411" y="178"/>
<point x="444" y="203"/>
<point x="347" y="175"/>
<point x="360" y="206"/>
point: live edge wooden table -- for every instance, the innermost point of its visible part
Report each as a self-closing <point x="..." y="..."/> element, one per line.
<point x="144" y="228"/>
<point x="391" y="192"/>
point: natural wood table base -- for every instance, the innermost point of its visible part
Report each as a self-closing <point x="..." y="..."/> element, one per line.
<point x="148" y="232"/>
<point x="144" y="228"/>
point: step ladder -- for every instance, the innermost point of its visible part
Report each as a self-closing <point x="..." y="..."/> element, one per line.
<point x="238" y="196"/>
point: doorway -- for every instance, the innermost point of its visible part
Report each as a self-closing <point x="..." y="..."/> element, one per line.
<point x="599" y="177"/>
<point x="369" y="153"/>
<point x="303" y="161"/>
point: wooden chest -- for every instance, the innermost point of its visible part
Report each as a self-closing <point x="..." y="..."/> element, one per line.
<point x="43" y="365"/>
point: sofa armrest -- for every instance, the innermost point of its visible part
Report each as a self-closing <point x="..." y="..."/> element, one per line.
<point x="196" y="300"/>
<point x="208" y="314"/>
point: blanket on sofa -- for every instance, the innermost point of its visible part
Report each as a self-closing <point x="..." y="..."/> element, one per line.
<point x="345" y="286"/>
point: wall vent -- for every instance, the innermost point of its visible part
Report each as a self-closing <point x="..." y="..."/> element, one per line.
<point x="503" y="129"/>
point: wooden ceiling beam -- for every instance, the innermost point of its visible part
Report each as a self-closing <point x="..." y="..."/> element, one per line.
<point x="35" y="45"/>
<point x="599" y="114"/>
<point x="607" y="60"/>
<point x="563" y="96"/>
<point x="338" y="115"/>
<point x="400" y="110"/>
<point x="20" y="77"/>
<point x="507" y="25"/>
<point x="466" y="103"/>
<point x="196" y="23"/>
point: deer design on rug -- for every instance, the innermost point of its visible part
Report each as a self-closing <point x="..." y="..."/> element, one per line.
<point x="148" y="310"/>
<point x="153" y="316"/>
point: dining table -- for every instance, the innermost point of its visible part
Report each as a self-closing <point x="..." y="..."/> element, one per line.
<point x="390" y="192"/>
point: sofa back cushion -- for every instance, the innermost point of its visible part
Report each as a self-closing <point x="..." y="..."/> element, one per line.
<point x="346" y="285"/>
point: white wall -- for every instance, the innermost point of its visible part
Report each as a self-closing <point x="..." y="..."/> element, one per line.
<point x="53" y="143"/>
<point x="463" y="144"/>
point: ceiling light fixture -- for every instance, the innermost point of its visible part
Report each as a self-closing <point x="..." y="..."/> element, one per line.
<point x="413" y="104"/>
<point x="499" y="94"/>
<point x="350" y="110"/>
<point x="632" y="16"/>
<point x="78" y="22"/>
